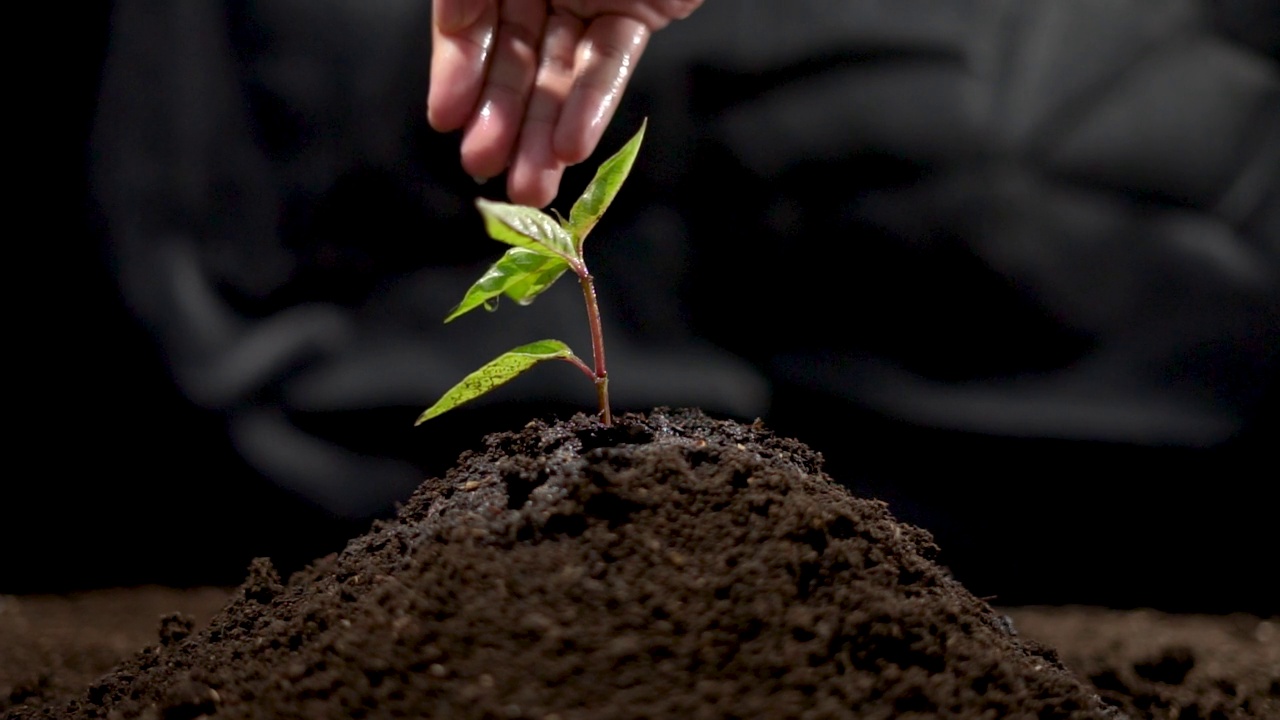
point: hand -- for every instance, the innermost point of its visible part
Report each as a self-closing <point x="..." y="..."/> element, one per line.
<point x="534" y="83"/>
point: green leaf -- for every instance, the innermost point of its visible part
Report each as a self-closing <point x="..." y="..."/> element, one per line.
<point x="527" y="228"/>
<point x="497" y="372"/>
<point x="524" y="290"/>
<point x="520" y="274"/>
<point x="604" y="186"/>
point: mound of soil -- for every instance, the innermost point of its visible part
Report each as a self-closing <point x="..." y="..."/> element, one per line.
<point x="670" y="566"/>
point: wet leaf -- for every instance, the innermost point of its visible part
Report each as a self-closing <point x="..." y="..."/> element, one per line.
<point x="528" y="228"/>
<point x="520" y="274"/>
<point x="524" y="290"/>
<point x="497" y="372"/>
<point x="604" y="186"/>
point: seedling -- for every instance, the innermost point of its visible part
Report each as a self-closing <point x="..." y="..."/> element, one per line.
<point x="543" y="248"/>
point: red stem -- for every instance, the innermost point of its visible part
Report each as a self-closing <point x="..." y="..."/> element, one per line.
<point x="576" y="361"/>
<point x="601" y="375"/>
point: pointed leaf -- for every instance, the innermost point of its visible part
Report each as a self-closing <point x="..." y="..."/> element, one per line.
<point x="609" y="178"/>
<point x="520" y="274"/>
<point x="523" y="291"/>
<point x="526" y="227"/>
<point x="497" y="372"/>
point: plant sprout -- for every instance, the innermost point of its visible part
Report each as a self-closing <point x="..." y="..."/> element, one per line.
<point x="542" y="249"/>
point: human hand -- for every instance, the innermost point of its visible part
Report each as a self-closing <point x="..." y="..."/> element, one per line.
<point x="534" y="83"/>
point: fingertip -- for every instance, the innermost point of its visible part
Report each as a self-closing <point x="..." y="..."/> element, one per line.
<point x="438" y="119"/>
<point x="447" y="113"/>
<point x="489" y="139"/>
<point x="532" y="197"/>
<point x="480" y="167"/>
<point x="581" y="127"/>
<point x="534" y="186"/>
<point x="572" y="143"/>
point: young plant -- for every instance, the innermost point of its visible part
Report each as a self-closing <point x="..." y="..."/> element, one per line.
<point x="542" y="249"/>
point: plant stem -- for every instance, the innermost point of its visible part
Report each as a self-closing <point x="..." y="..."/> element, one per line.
<point x="597" y="343"/>
<point x="575" y="361"/>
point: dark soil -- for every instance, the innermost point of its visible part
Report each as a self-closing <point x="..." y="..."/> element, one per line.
<point x="670" y="566"/>
<point x="1156" y="665"/>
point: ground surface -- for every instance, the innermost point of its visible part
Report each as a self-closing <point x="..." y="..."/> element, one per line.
<point x="673" y="566"/>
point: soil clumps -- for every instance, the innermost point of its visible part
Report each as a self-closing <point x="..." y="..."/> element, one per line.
<point x="672" y="565"/>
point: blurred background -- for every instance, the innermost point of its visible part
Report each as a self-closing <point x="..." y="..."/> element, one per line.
<point x="1013" y="267"/>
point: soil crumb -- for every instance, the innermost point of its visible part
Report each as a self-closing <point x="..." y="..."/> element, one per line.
<point x="672" y="565"/>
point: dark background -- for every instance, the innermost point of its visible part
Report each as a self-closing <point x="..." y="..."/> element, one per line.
<point x="1010" y="266"/>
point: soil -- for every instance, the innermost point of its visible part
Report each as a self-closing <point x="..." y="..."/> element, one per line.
<point x="672" y="565"/>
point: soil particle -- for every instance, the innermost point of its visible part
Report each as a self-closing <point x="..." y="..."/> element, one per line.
<point x="670" y="566"/>
<point x="174" y="628"/>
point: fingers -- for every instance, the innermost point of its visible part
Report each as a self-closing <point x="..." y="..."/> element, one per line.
<point x="462" y="39"/>
<point x="495" y="124"/>
<point x="534" y="93"/>
<point x="605" y="61"/>
<point x="655" y="14"/>
<point x="535" y="172"/>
